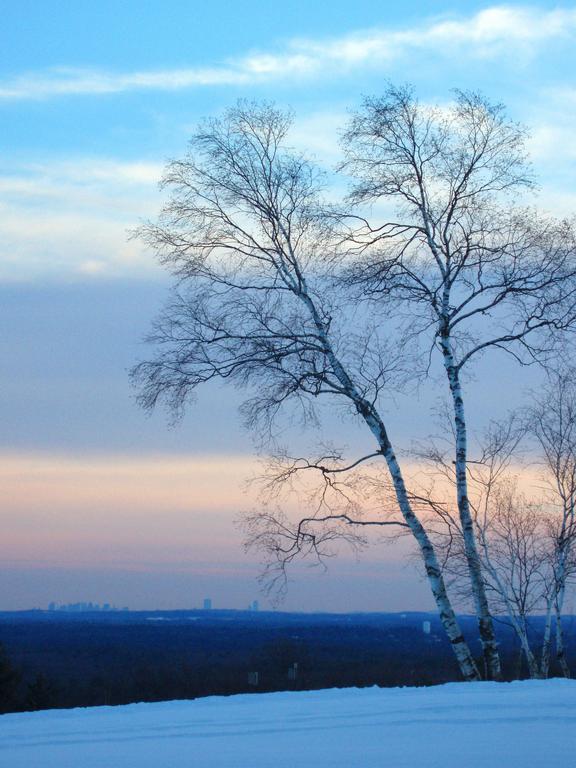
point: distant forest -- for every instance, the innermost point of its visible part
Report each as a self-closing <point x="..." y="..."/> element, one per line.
<point x="59" y="659"/>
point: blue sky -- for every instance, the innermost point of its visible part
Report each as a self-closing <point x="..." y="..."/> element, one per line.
<point x="94" y="98"/>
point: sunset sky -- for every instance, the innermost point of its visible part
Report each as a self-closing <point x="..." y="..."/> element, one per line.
<point x="99" y="501"/>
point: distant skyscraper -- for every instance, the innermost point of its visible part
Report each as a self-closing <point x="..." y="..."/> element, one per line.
<point x="207" y="603"/>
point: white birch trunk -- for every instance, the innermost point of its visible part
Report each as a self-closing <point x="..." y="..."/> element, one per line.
<point x="518" y="621"/>
<point x="521" y="632"/>
<point x="448" y="618"/>
<point x="547" y="640"/>
<point x="560" y="650"/>
<point x="485" y="623"/>
<point x="368" y="413"/>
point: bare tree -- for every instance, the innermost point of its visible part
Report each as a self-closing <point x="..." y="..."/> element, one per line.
<point x="526" y="540"/>
<point x="514" y="559"/>
<point x="477" y="272"/>
<point x="512" y="532"/>
<point x="552" y="420"/>
<point x="252" y="249"/>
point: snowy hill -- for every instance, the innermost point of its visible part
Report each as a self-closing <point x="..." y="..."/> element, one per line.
<point x="529" y="724"/>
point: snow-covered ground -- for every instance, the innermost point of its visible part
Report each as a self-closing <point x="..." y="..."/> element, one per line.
<point x="516" y="725"/>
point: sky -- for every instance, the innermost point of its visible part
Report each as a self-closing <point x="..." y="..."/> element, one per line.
<point x="101" y="502"/>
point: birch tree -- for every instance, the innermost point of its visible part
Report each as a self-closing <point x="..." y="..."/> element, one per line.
<point x="510" y="531"/>
<point x="256" y="303"/>
<point x="513" y="530"/>
<point x="477" y="272"/>
<point x="505" y="528"/>
<point x="515" y="562"/>
<point x="552" y="419"/>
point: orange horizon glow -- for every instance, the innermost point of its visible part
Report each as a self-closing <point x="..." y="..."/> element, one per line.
<point x="129" y="512"/>
<point x="106" y="510"/>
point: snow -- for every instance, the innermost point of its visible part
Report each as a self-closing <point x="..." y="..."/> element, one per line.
<point x="466" y="725"/>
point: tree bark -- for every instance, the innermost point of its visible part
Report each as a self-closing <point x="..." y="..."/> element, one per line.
<point x="560" y="650"/>
<point x="547" y="641"/>
<point x="371" y="417"/>
<point x="485" y="623"/>
<point x="518" y="621"/>
<point x="533" y="668"/>
<point x="448" y="618"/>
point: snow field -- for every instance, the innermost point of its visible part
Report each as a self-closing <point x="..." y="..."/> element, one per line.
<point x="529" y="724"/>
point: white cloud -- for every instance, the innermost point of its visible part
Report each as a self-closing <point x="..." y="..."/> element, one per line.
<point x="66" y="218"/>
<point x="552" y="143"/>
<point x="495" y="31"/>
<point x="316" y="134"/>
<point x="551" y="116"/>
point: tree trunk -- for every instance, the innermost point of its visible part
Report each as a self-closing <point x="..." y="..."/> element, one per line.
<point x="560" y="651"/>
<point x="547" y="641"/>
<point x="448" y="618"/>
<point x="518" y="661"/>
<point x="371" y="417"/>
<point x="518" y="620"/>
<point x="533" y="669"/>
<point x="485" y="623"/>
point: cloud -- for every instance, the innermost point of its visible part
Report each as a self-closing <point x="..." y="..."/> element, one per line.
<point x="552" y="118"/>
<point x="493" y="32"/>
<point x="71" y="218"/>
<point x="317" y="135"/>
<point x="46" y="178"/>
